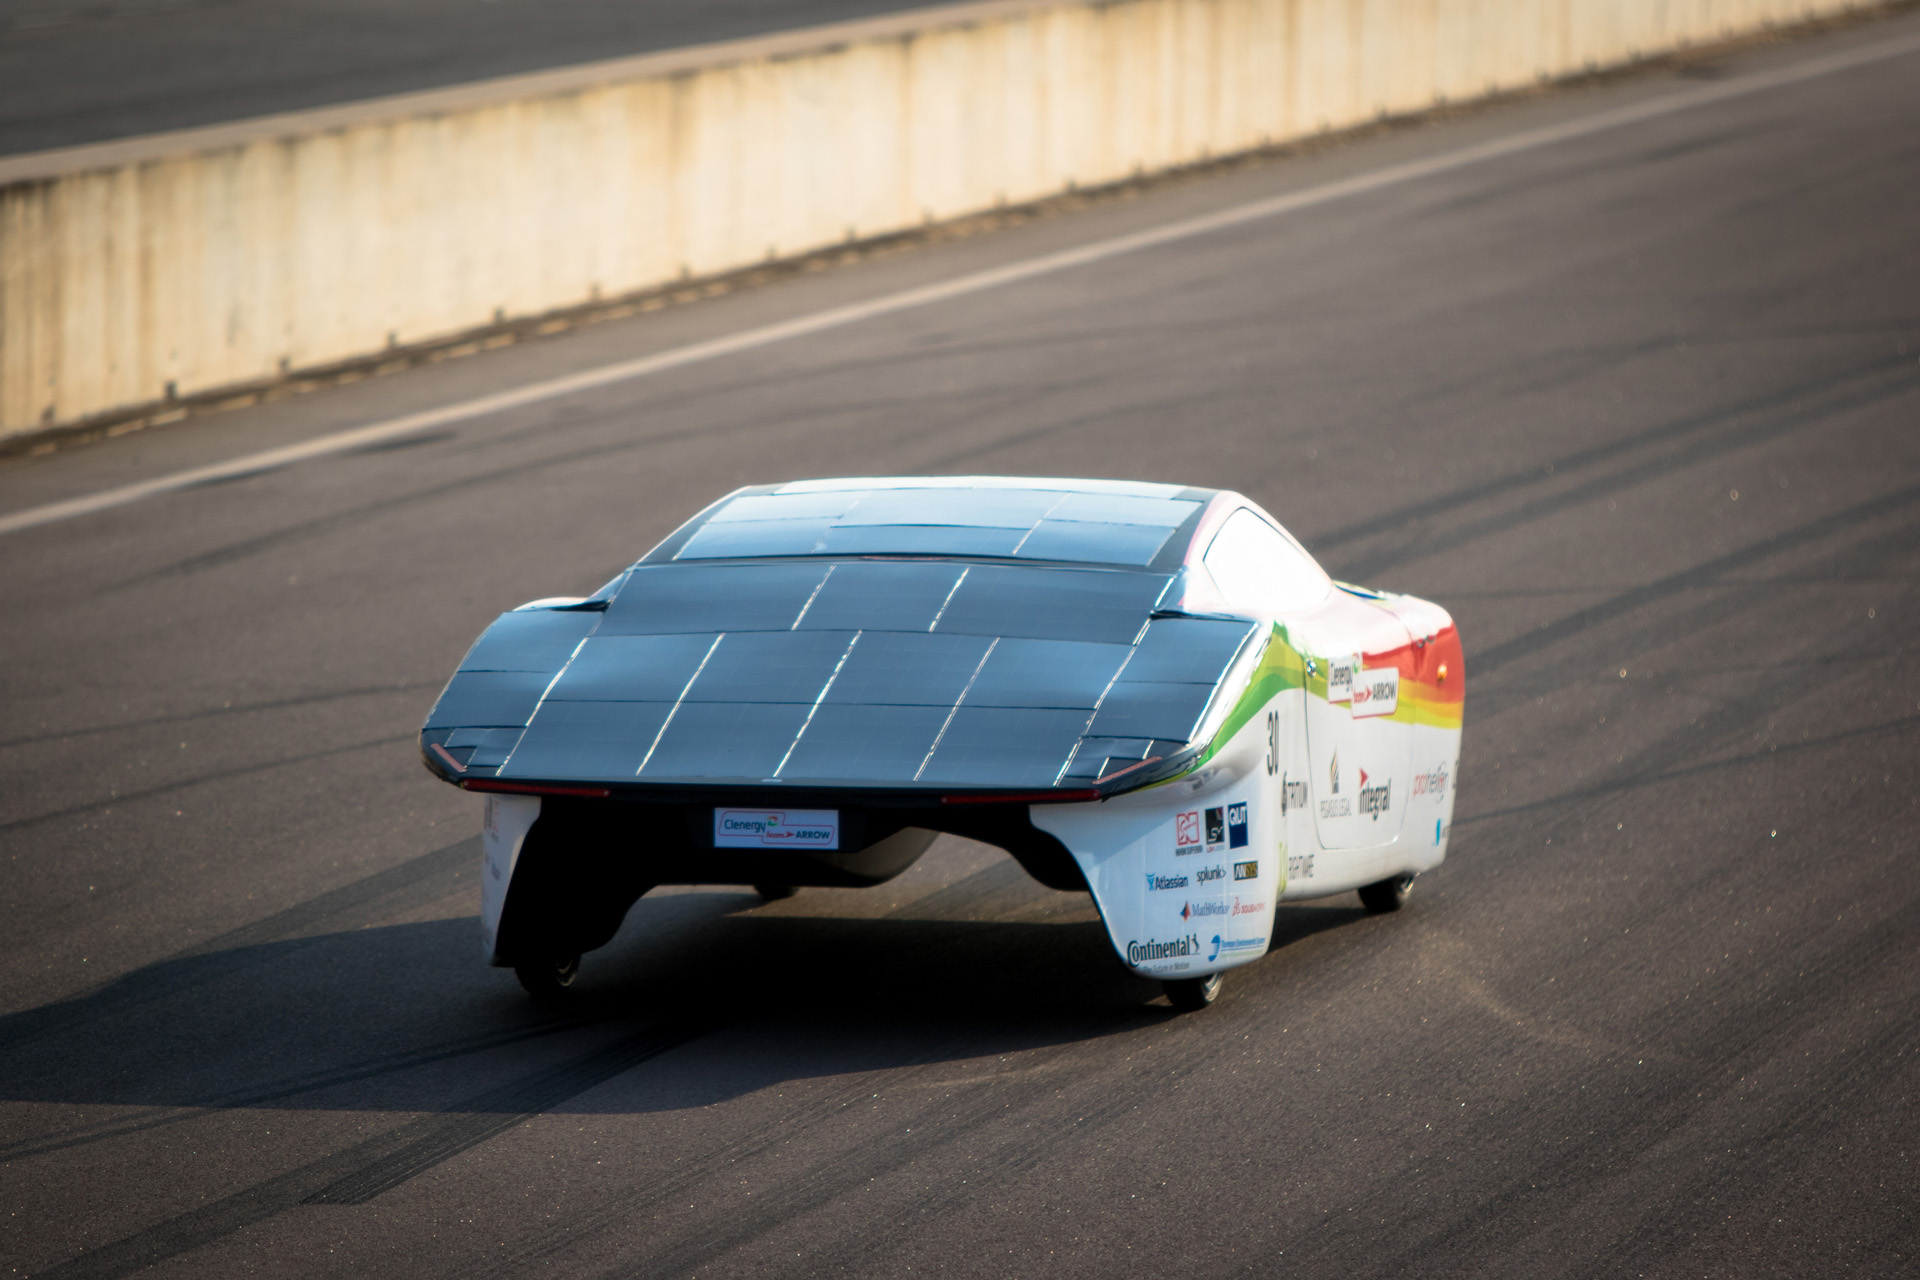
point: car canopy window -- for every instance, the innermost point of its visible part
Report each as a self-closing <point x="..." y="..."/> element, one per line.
<point x="1257" y="566"/>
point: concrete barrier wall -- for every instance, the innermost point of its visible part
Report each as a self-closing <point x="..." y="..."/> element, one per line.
<point x="134" y="272"/>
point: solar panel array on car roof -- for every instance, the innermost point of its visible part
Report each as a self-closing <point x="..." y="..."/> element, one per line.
<point x="848" y="672"/>
<point x="882" y="673"/>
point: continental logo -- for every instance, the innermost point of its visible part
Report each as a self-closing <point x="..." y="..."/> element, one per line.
<point x="1154" y="949"/>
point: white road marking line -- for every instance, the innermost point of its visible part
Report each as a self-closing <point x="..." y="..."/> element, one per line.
<point x="960" y="286"/>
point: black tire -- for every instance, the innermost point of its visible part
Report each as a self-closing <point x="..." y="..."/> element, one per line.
<point x="1189" y="994"/>
<point x="1387" y="895"/>
<point x="548" y="982"/>
<point x="775" y="892"/>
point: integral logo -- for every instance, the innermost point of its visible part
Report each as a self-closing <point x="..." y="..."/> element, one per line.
<point x="1237" y="825"/>
<point x="1375" y="800"/>
<point x="1157" y="883"/>
<point x="1153" y="949"/>
<point x="1192" y="909"/>
<point x="1216" y="826"/>
<point x="1293" y="795"/>
<point x="776" y="828"/>
<point x="1186" y="832"/>
<point x="1246" y="870"/>
<point x="1207" y="875"/>
<point x="1432" y="783"/>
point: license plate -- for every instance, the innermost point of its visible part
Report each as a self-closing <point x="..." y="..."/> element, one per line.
<point x="776" y="828"/>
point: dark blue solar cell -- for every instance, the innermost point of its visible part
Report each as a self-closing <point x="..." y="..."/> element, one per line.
<point x="881" y="595"/>
<point x="1046" y="673"/>
<point x="1097" y="757"/>
<point x="1196" y="650"/>
<point x="770" y="666"/>
<point x="788" y="506"/>
<point x="908" y="668"/>
<point x="920" y="540"/>
<point x="483" y="699"/>
<point x="534" y="640"/>
<point x="1003" y="747"/>
<point x="1052" y="604"/>
<point x="588" y="741"/>
<point x="738" y="741"/>
<point x="1113" y="508"/>
<point x="1152" y="710"/>
<point x="1135" y="544"/>
<point x="711" y="597"/>
<point x="870" y="743"/>
<point x="486" y="747"/>
<point x="981" y="508"/>
<point x="631" y="669"/>
<point x="715" y="540"/>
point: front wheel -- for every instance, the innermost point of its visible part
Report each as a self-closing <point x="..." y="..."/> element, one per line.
<point x="549" y="981"/>
<point x="1189" y="994"/>
<point x="1387" y="895"/>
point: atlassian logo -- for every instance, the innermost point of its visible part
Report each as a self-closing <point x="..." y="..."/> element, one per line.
<point x="1153" y="949"/>
<point x="1375" y="800"/>
<point x="1156" y="882"/>
<point x="1193" y="909"/>
<point x="1433" y="783"/>
<point x="1206" y="875"/>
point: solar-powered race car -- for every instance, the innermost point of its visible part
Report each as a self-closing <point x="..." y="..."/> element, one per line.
<point x="1143" y="691"/>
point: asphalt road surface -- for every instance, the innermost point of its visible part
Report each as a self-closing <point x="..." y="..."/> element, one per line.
<point x="1639" y="408"/>
<point x="74" y="71"/>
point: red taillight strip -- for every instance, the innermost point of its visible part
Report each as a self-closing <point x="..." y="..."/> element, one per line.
<point x="1021" y="797"/>
<point x="533" y="788"/>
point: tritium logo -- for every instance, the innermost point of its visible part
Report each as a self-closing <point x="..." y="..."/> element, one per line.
<point x="1293" y="795"/>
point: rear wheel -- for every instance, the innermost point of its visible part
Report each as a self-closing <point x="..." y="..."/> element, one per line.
<point x="775" y="892"/>
<point x="549" y="981"/>
<point x="1188" y="994"/>
<point x="1387" y="895"/>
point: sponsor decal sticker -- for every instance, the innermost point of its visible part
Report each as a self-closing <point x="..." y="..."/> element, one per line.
<point x="1246" y="870"/>
<point x="1293" y="795"/>
<point x="1340" y="678"/>
<point x="1376" y="693"/>
<point x="1216" y="826"/>
<point x="1431" y="783"/>
<point x="1242" y="907"/>
<point x="1335" y="805"/>
<point x="1207" y="875"/>
<point x="1299" y="866"/>
<point x="1158" y="883"/>
<point x="776" y="828"/>
<point x="1192" y="909"/>
<point x="1186" y="832"/>
<point x="1154" y="949"/>
<point x="1237" y="825"/>
<point x="1375" y="800"/>
<point x="1235" y="946"/>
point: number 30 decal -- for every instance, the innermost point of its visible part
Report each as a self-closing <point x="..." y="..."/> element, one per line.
<point x="1273" y="743"/>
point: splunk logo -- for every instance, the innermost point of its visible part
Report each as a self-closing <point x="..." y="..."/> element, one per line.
<point x="1375" y="800"/>
<point x="1206" y="875"/>
<point x="1153" y="949"/>
<point x="1157" y="883"/>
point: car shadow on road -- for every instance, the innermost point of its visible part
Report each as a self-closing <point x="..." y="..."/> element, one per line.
<point x="407" y="1018"/>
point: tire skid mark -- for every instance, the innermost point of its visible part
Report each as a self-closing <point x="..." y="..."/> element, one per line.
<point x="215" y="958"/>
<point x="363" y="1170"/>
